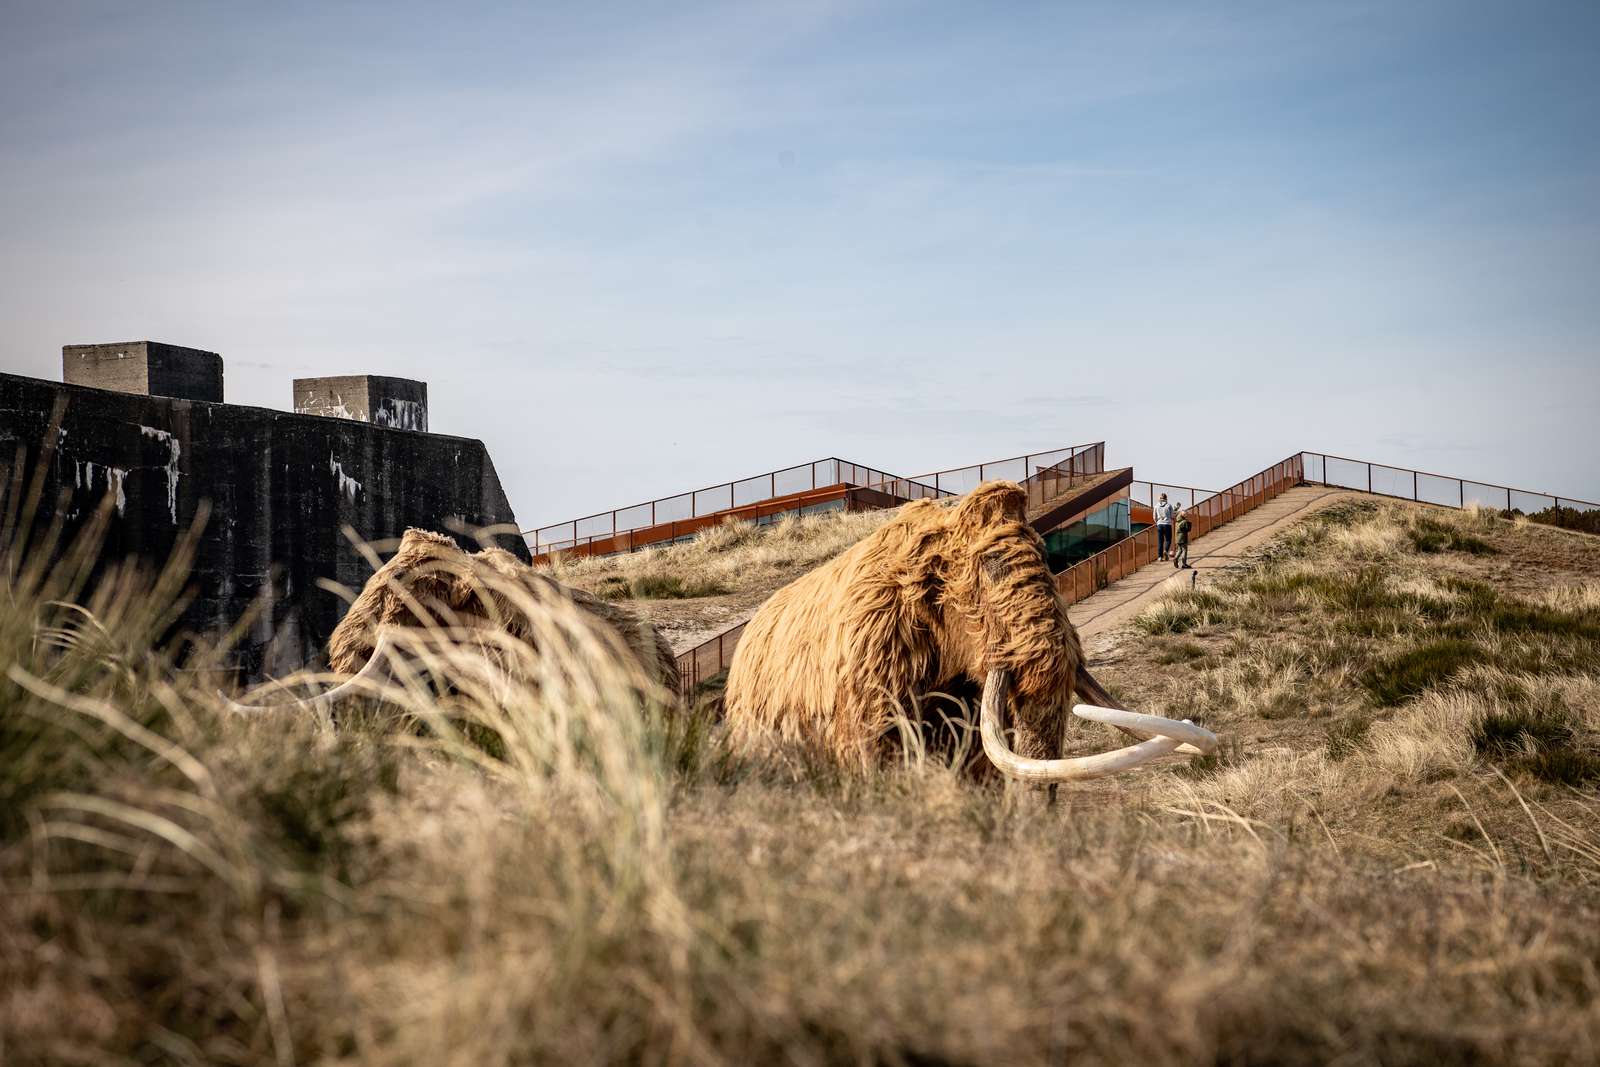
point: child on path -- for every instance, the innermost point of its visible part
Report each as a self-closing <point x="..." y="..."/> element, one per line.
<point x="1180" y="558"/>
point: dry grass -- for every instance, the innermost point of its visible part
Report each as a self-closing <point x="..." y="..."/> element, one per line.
<point x="731" y="558"/>
<point x="552" y="870"/>
<point x="697" y="589"/>
<point x="1377" y="630"/>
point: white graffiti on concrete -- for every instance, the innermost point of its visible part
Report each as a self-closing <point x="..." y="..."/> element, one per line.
<point x="347" y="485"/>
<point x="174" y="450"/>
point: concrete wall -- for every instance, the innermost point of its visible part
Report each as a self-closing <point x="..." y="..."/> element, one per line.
<point x="281" y="487"/>
<point x="148" y="368"/>
<point x="398" y="402"/>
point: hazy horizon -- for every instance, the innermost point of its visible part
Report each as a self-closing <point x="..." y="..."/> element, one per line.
<point x="639" y="250"/>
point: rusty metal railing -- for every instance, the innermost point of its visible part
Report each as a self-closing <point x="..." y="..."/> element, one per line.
<point x="707" y="660"/>
<point x="791" y="481"/>
<point x="845" y="497"/>
<point x="696" y="503"/>
<point x="1206" y="513"/>
<point x="1081" y="459"/>
<point x="1049" y="483"/>
<point x="1404" y="483"/>
<point x="1044" y="475"/>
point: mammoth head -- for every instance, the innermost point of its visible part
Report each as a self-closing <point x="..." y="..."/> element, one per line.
<point x="1018" y="639"/>
<point x="1002" y="608"/>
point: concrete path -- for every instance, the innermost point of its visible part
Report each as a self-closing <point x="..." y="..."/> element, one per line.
<point x="1218" y="550"/>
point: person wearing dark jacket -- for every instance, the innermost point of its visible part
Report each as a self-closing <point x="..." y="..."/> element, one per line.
<point x="1180" y="536"/>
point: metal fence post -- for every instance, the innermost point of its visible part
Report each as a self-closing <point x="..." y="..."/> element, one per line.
<point x="1414" y="485"/>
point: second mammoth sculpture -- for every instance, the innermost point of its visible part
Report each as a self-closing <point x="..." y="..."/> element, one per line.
<point x="434" y="598"/>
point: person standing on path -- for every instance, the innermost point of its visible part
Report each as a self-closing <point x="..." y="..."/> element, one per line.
<point x="1164" y="512"/>
<point x="1180" y="537"/>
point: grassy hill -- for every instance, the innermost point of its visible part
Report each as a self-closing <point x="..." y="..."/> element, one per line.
<point x="1396" y="860"/>
<point x="1426" y="681"/>
<point x="696" y="589"/>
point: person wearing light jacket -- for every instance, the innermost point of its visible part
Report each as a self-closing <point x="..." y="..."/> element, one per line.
<point x="1164" y="513"/>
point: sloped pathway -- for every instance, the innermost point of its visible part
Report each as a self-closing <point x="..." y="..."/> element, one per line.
<point x="1217" y="551"/>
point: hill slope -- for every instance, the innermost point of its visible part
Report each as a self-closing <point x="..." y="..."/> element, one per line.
<point x="697" y="589"/>
<point x="1385" y="664"/>
<point x="1396" y="861"/>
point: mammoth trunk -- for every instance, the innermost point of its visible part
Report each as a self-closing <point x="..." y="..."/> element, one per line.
<point x="1090" y="691"/>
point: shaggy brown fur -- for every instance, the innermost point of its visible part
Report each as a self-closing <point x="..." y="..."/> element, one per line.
<point x="430" y="578"/>
<point x="931" y="602"/>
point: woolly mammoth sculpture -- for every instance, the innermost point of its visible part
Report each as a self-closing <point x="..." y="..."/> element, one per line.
<point x="430" y="581"/>
<point x="939" y="599"/>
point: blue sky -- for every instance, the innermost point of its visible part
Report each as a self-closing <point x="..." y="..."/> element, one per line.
<point x="642" y="248"/>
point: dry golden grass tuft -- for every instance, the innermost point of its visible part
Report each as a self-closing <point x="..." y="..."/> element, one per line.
<point x="552" y="870"/>
<point x="1387" y="633"/>
<point x="730" y="558"/>
<point x="699" y="588"/>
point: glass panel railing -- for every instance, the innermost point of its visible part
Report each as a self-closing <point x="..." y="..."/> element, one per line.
<point x="1407" y="484"/>
<point x="1432" y="489"/>
<point x="1391" y="481"/>
<point x="1530" y="503"/>
<point x="1484" y="495"/>
<point x="596" y="526"/>
<point x="674" y="508"/>
<point x="752" y="490"/>
<point x="636" y="516"/>
<point x="793" y="480"/>
<point x="1345" y="473"/>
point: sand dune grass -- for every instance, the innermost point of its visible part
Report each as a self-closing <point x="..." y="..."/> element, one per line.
<point x="1473" y="712"/>
<point x="557" y="870"/>
<point x="730" y="558"/>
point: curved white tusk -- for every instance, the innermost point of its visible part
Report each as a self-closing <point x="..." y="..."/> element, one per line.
<point x="374" y="671"/>
<point x="1197" y="740"/>
<point x="1055" y="770"/>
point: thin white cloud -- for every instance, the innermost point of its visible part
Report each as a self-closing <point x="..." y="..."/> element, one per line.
<point x="686" y="243"/>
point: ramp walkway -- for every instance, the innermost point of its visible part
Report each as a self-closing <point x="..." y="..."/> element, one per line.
<point x="1219" y="550"/>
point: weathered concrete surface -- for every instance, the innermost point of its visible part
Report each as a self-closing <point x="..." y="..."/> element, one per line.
<point x="398" y="402"/>
<point x="148" y="368"/>
<point x="281" y="487"/>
